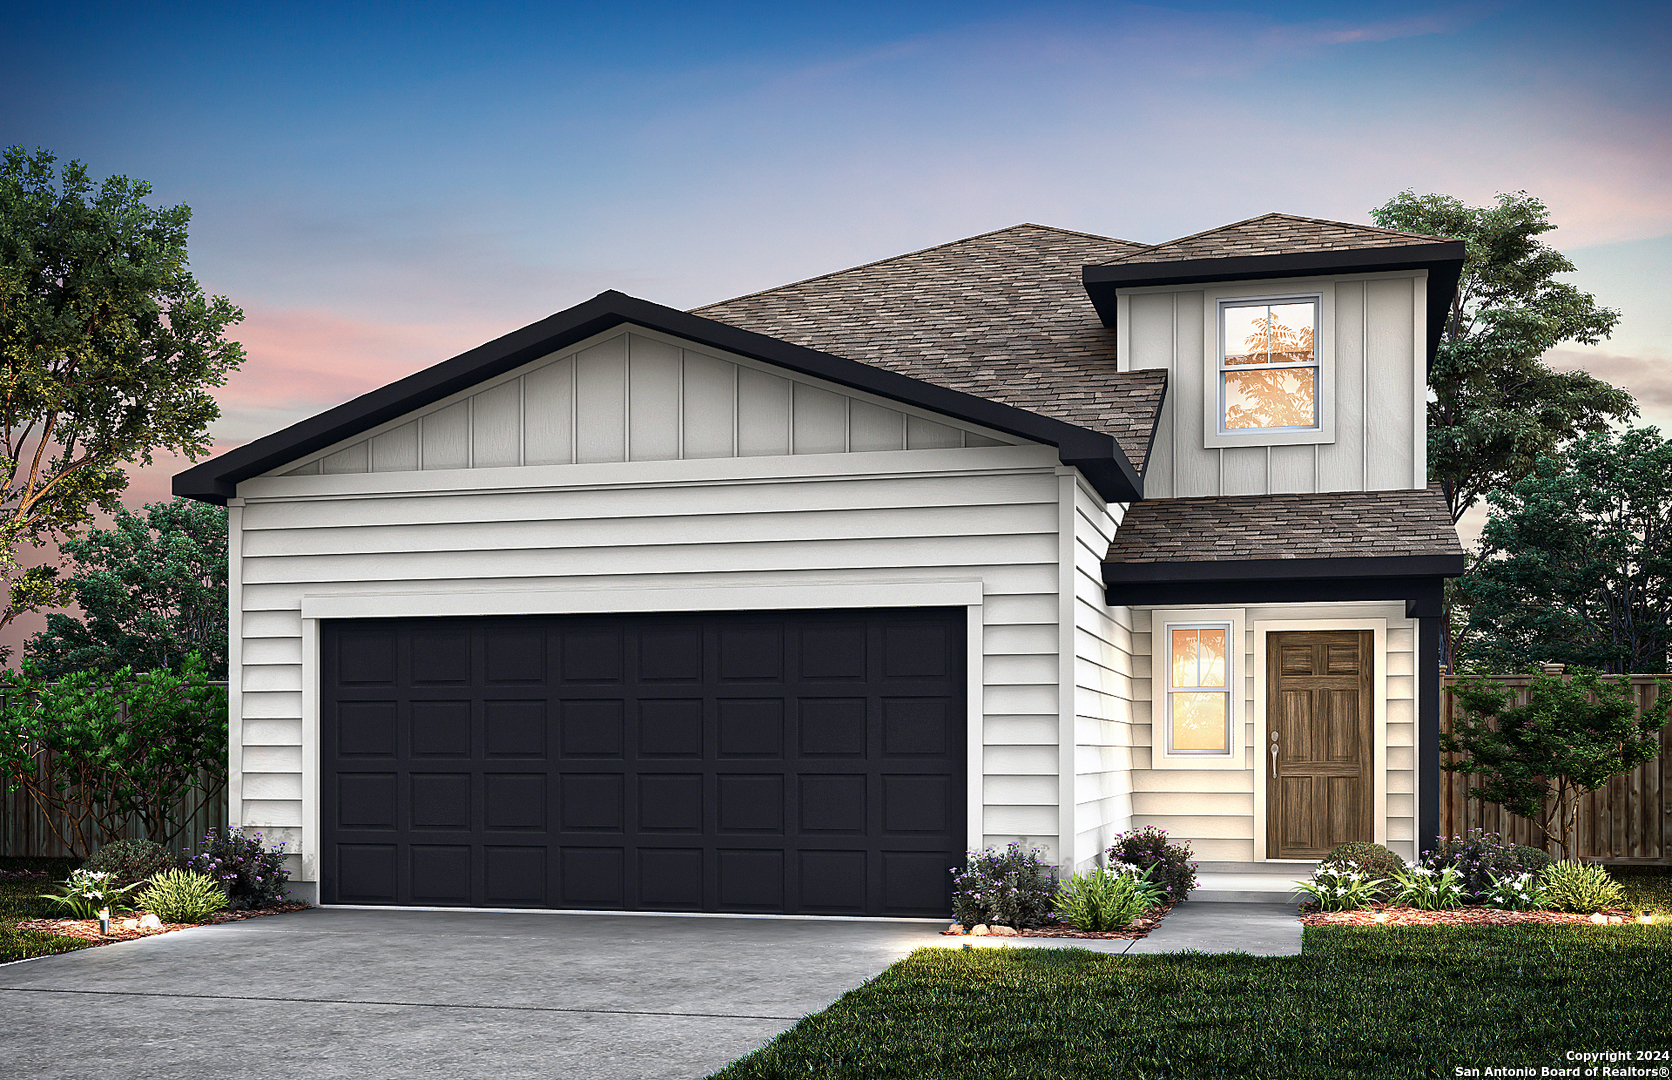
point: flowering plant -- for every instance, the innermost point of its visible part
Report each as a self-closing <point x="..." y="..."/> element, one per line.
<point x="1429" y="890"/>
<point x="88" y="892"/>
<point x="1516" y="892"/>
<point x="1012" y="887"/>
<point x="1479" y="857"/>
<point x="252" y="874"/>
<point x="1167" y="861"/>
<point x="1340" y="886"/>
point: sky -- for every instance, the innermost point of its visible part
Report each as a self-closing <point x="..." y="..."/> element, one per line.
<point x="379" y="187"/>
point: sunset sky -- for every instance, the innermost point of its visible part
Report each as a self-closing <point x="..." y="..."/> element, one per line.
<point x="380" y="187"/>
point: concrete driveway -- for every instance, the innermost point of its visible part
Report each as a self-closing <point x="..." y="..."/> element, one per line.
<point x="371" y="994"/>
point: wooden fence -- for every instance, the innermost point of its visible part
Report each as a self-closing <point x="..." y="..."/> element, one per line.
<point x="1628" y="821"/>
<point x="25" y="829"/>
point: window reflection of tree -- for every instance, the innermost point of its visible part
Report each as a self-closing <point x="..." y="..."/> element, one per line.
<point x="1279" y="397"/>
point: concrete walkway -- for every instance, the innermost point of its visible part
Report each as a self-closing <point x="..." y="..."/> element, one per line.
<point x="334" y="993"/>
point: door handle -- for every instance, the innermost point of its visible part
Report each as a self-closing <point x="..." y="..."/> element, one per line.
<point x="1274" y="755"/>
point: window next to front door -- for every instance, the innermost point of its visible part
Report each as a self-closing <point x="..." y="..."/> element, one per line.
<point x="1198" y="706"/>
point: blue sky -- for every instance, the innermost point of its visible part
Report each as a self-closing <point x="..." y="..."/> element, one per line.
<point x="381" y="186"/>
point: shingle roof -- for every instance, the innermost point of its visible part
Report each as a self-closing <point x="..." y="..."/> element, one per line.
<point x="1003" y="316"/>
<point x="1335" y="525"/>
<point x="1273" y="234"/>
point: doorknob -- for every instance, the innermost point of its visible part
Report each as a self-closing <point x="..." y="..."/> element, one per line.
<point x="1274" y="755"/>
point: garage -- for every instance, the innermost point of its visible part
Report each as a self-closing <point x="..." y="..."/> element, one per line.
<point x="808" y="762"/>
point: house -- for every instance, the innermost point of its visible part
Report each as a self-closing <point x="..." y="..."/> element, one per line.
<point x="780" y="604"/>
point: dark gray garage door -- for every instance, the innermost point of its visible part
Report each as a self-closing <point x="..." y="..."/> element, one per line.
<point x="800" y="762"/>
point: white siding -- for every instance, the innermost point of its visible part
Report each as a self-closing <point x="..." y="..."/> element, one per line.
<point x="1373" y="349"/>
<point x="1215" y="809"/>
<point x="1103" y="643"/>
<point x="987" y="514"/>
<point x="638" y="396"/>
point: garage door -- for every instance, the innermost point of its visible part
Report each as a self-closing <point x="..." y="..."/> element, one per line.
<point x="800" y="762"/>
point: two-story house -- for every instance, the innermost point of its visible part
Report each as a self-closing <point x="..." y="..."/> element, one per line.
<point x="781" y="604"/>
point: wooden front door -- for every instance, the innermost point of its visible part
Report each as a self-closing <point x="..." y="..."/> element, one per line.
<point x="1317" y="752"/>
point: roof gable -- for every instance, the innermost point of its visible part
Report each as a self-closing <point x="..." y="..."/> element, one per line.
<point x="1274" y="234"/>
<point x="1095" y="453"/>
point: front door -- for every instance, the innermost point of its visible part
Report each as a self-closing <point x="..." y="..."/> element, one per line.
<point x="1317" y="753"/>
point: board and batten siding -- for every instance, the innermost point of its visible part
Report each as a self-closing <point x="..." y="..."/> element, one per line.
<point x="1374" y="343"/>
<point x="1216" y="808"/>
<point x="986" y="514"/>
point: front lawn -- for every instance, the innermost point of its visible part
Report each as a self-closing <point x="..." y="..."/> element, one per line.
<point x="21" y="900"/>
<point x="1383" y="1003"/>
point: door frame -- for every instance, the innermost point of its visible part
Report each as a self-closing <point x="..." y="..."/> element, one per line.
<point x="910" y="594"/>
<point x="1378" y="721"/>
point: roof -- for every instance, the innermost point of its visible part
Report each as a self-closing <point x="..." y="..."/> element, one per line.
<point x="1096" y="453"/>
<point x="1275" y="234"/>
<point x="1282" y="246"/>
<point x="1003" y="316"/>
<point x="1392" y="532"/>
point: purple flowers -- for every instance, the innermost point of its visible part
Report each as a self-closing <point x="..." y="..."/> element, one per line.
<point x="253" y="874"/>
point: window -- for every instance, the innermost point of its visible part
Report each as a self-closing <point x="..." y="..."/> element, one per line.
<point x="1268" y="365"/>
<point x="1198" y="689"/>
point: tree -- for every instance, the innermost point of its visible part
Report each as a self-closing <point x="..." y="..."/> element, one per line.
<point x="151" y="589"/>
<point x="108" y="352"/>
<point x="1576" y="560"/>
<point x="1495" y="405"/>
<point x="1537" y="759"/>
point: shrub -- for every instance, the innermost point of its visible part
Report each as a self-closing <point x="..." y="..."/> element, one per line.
<point x="1340" y="887"/>
<point x="1515" y="892"/>
<point x="252" y="874"/>
<point x="1012" y="887"/>
<point x="86" y="892"/>
<point x="1479" y="857"/>
<point x="1169" y="864"/>
<point x="1373" y="860"/>
<point x="1580" y="888"/>
<point x="182" y="896"/>
<point x="131" y="862"/>
<point x="1106" y="899"/>
<point x="1430" y="890"/>
<point x="1535" y="860"/>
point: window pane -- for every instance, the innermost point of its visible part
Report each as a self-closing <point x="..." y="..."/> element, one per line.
<point x="1212" y="658"/>
<point x="1270" y="334"/>
<point x="1285" y="397"/>
<point x="1199" y="722"/>
<point x="1184" y="658"/>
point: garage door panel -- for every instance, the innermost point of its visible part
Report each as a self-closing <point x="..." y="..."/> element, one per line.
<point x="780" y="762"/>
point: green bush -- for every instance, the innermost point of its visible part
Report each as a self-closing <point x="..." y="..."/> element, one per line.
<point x="1012" y="888"/>
<point x="252" y="874"/>
<point x="1372" y="860"/>
<point x="1478" y="857"/>
<point x="1534" y="860"/>
<point x="1340" y="887"/>
<point x="130" y="862"/>
<point x="182" y="896"/>
<point x="1105" y="899"/>
<point x="1580" y="888"/>
<point x="1431" y="890"/>
<point x="1169" y="864"/>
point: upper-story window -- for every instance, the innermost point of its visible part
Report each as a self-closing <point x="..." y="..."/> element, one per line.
<point x="1268" y="364"/>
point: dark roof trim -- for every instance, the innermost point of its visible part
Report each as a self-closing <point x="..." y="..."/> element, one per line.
<point x="1094" y="453"/>
<point x="1443" y="261"/>
<point x="1122" y="573"/>
<point x="1423" y="596"/>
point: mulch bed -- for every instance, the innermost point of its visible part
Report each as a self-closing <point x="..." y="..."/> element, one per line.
<point x="1140" y="927"/>
<point x="88" y="929"/>
<point x="1463" y="916"/>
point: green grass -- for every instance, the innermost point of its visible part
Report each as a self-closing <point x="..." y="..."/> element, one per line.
<point x="1648" y="889"/>
<point x="1382" y="1003"/>
<point x="20" y="900"/>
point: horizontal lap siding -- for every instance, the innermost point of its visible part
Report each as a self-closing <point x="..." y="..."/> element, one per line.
<point x="999" y="528"/>
<point x="1102" y="689"/>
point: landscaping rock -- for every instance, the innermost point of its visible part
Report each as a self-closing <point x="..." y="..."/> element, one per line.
<point x="955" y="928"/>
<point x="1600" y="919"/>
<point x="1002" y="931"/>
<point x="980" y="930"/>
<point x="150" y="922"/>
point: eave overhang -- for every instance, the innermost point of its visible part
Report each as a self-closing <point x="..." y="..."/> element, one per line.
<point x="1417" y="580"/>
<point x="1443" y="260"/>
<point x="1096" y="454"/>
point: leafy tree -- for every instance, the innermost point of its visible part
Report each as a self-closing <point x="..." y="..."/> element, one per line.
<point x="1537" y="759"/>
<point x="1576" y="562"/>
<point x="151" y="588"/>
<point x="108" y="352"/>
<point x="1496" y="406"/>
<point x="92" y="751"/>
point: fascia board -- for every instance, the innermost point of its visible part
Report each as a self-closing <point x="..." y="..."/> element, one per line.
<point x="1392" y="566"/>
<point x="1096" y="454"/>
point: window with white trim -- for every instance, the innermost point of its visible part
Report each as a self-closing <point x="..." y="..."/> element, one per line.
<point x="1198" y="711"/>
<point x="1269" y="378"/>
